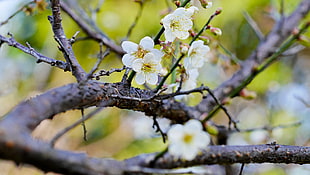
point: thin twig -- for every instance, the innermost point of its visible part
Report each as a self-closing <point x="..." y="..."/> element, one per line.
<point x="64" y="43"/>
<point x="64" y="131"/>
<point x="253" y="25"/>
<point x="231" y="120"/>
<point x="158" y="129"/>
<point x="139" y="14"/>
<point x="101" y="56"/>
<point x="84" y="126"/>
<point x="269" y="128"/>
<point x="31" y="51"/>
<point x="107" y="73"/>
<point x="73" y="38"/>
<point x="241" y="169"/>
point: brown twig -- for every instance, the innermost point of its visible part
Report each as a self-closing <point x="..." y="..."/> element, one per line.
<point x="64" y="43"/>
<point x="31" y="51"/>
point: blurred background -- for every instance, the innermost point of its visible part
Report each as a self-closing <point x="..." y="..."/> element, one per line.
<point x="280" y="112"/>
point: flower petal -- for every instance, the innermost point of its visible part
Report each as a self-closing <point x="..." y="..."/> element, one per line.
<point x="127" y="60"/>
<point x="169" y="35"/>
<point x="129" y="47"/>
<point x="137" y="65"/>
<point x="151" y="78"/>
<point x="140" y="78"/>
<point x="147" y="43"/>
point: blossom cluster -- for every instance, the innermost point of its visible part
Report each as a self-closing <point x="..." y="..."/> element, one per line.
<point x="146" y="61"/>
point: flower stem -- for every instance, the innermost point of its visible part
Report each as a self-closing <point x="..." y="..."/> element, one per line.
<point x="131" y="75"/>
<point x="171" y="70"/>
<point x="217" y="12"/>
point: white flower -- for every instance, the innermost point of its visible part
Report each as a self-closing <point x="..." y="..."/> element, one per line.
<point x="178" y="23"/>
<point x="189" y="81"/>
<point x="147" y="69"/>
<point x="186" y="141"/>
<point x="135" y="51"/>
<point x="196" y="55"/>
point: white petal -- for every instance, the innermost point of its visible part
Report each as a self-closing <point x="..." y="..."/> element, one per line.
<point x="167" y="20"/>
<point x="151" y="78"/>
<point x="169" y="35"/>
<point x="198" y="61"/>
<point x="190" y="11"/>
<point x="190" y="153"/>
<point x="193" y="125"/>
<point x="140" y="78"/>
<point x="174" y="150"/>
<point x="129" y="47"/>
<point x="137" y="65"/>
<point x="147" y="43"/>
<point x="179" y="11"/>
<point x="149" y="58"/>
<point x="175" y="133"/>
<point x="203" y="140"/>
<point x="128" y="59"/>
<point x="182" y="35"/>
<point x="157" y="53"/>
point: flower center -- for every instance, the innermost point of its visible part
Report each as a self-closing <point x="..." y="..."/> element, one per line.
<point x="188" y="138"/>
<point x="141" y="52"/>
<point x="175" y="25"/>
<point x="148" y="67"/>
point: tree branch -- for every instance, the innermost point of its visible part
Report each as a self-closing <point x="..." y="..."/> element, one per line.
<point x="281" y="31"/>
<point x="92" y="31"/>
<point x="64" y="43"/>
<point x="31" y="51"/>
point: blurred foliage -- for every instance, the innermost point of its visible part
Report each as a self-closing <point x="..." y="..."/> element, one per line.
<point x="110" y="132"/>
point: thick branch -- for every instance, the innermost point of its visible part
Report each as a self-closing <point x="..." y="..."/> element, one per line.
<point x="269" y="153"/>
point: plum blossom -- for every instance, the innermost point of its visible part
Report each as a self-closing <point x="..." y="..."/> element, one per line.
<point x="206" y="3"/>
<point x="196" y="55"/>
<point x="147" y="69"/>
<point x="178" y="23"/>
<point x="138" y="51"/>
<point x="186" y="141"/>
<point x="190" y="79"/>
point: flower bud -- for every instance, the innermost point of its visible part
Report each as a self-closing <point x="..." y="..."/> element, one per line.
<point x="246" y="94"/>
<point x="177" y="3"/>
<point x="211" y="129"/>
<point x="184" y="48"/>
<point x="206" y="3"/>
<point x="304" y="40"/>
<point x="216" y="31"/>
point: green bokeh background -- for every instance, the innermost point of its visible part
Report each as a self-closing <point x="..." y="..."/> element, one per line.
<point x="110" y="133"/>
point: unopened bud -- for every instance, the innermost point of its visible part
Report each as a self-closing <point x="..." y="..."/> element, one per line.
<point x="226" y="101"/>
<point x="246" y="94"/>
<point x="216" y="31"/>
<point x="206" y="3"/>
<point x="295" y="31"/>
<point x="211" y="129"/>
<point x="184" y="48"/>
<point x="205" y="39"/>
<point x="177" y="3"/>
<point x="218" y="11"/>
<point x="304" y="40"/>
